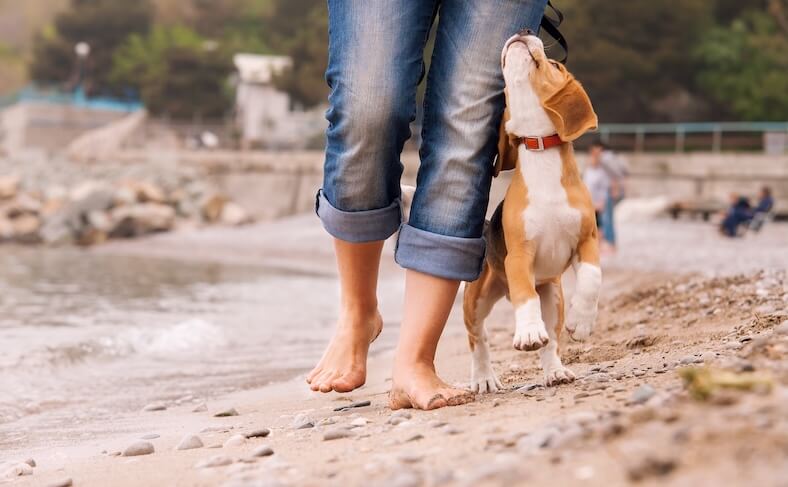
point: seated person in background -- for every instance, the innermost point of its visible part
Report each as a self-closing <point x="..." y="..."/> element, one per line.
<point x="739" y="213"/>
<point x="762" y="209"/>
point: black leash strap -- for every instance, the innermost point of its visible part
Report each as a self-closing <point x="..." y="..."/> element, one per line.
<point x="550" y="25"/>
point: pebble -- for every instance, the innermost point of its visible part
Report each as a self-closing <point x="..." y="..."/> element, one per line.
<point x="642" y="394"/>
<point x="62" y="483"/>
<point x="598" y="377"/>
<point x="262" y="451"/>
<point x="302" y="421"/>
<point x="690" y="359"/>
<point x="18" y="470"/>
<point x="337" y="433"/>
<point x="260" y="433"/>
<point x="359" y="422"/>
<point x="138" y="448"/>
<point x="401" y="413"/>
<point x="452" y="430"/>
<point x="30" y="462"/>
<point x="226" y="413"/>
<point x="409" y="458"/>
<point x="155" y="406"/>
<point x="215" y="461"/>
<point x="353" y="405"/>
<point x="650" y="466"/>
<point x="200" y="408"/>
<point x="189" y="442"/>
<point x="436" y="423"/>
<point x="708" y="356"/>
<point x="416" y="437"/>
<point x="235" y="440"/>
<point x="395" y="420"/>
<point x="149" y="436"/>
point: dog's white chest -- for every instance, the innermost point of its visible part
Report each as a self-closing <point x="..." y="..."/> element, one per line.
<point x="550" y="222"/>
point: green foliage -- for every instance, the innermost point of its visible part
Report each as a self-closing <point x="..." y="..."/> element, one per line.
<point x="176" y="72"/>
<point x="103" y="24"/>
<point x="745" y="67"/>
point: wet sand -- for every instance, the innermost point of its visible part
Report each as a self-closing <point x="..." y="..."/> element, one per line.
<point x="627" y="419"/>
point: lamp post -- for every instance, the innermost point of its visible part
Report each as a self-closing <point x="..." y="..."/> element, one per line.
<point x="82" y="50"/>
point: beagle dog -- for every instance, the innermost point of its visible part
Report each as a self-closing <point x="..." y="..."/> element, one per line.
<point x="546" y="221"/>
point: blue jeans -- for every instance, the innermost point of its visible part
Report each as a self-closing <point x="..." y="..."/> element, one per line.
<point x="375" y="64"/>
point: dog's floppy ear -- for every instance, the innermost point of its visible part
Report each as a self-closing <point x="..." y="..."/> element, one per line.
<point x="564" y="100"/>
<point x="507" y="151"/>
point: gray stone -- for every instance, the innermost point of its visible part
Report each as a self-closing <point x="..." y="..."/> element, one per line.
<point x="149" y="436"/>
<point x="690" y="359"/>
<point x="215" y="461"/>
<point x="642" y="394"/>
<point x="30" y="462"/>
<point x="18" y="470"/>
<point x="138" y="448"/>
<point x="61" y="483"/>
<point x="235" y="440"/>
<point x="782" y="328"/>
<point x="200" y="408"/>
<point x="189" y="442"/>
<point x="337" y="433"/>
<point x="226" y="413"/>
<point x="259" y="433"/>
<point x="262" y="451"/>
<point x="302" y="421"/>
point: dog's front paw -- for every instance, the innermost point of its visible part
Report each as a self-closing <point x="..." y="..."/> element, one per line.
<point x="558" y="375"/>
<point x="530" y="336"/>
<point x="580" y="322"/>
<point x="483" y="379"/>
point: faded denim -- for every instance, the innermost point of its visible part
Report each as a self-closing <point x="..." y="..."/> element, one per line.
<point x="375" y="64"/>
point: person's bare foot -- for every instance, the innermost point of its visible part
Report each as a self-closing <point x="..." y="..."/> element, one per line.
<point x="343" y="367"/>
<point x="416" y="385"/>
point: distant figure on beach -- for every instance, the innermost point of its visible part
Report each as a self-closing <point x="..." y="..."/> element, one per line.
<point x="617" y="171"/>
<point x="598" y="181"/>
<point x="374" y="67"/>
<point x="739" y="213"/>
<point x="762" y="209"/>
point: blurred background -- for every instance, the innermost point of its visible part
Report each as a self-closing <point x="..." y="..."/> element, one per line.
<point x="202" y="121"/>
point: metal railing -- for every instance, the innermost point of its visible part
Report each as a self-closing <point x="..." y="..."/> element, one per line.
<point x="680" y="132"/>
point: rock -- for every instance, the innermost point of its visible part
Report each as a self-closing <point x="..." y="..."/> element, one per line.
<point x="302" y="421"/>
<point x="6" y="229"/>
<point x="138" y="448"/>
<point x="140" y="219"/>
<point x="18" y="470"/>
<point x="642" y="394"/>
<point x="155" y="406"/>
<point x="189" y="442"/>
<point x="25" y="228"/>
<point x="125" y="195"/>
<point x="337" y="433"/>
<point x="360" y="404"/>
<point x="149" y="193"/>
<point x="598" y="377"/>
<point x="215" y="461"/>
<point x="708" y="357"/>
<point x="410" y="457"/>
<point x="396" y="420"/>
<point x="436" y="423"/>
<point x="650" y="466"/>
<point x="235" y="440"/>
<point x="211" y="207"/>
<point x="90" y="196"/>
<point x="262" y="451"/>
<point x="9" y="185"/>
<point x="690" y="359"/>
<point x="149" y="436"/>
<point x="100" y="220"/>
<point x="260" y="433"/>
<point x="414" y="437"/>
<point x="226" y="413"/>
<point x="30" y="462"/>
<point x="62" y="483"/>
<point x="233" y="214"/>
<point x="359" y="422"/>
<point x="200" y="408"/>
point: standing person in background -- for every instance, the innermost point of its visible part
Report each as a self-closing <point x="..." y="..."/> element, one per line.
<point x="617" y="172"/>
<point x="597" y="180"/>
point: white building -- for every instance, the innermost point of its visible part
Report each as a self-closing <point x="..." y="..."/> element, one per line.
<point x="265" y="115"/>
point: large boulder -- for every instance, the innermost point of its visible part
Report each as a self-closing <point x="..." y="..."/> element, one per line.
<point x="9" y="185"/>
<point x="140" y="219"/>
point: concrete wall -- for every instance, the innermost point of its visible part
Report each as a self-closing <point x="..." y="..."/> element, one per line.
<point x="276" y="184"/>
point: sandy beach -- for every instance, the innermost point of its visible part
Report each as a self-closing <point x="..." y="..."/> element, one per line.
<point x="681" y="300"/>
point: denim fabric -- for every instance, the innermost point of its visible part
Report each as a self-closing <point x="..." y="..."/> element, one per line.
<point x="375" y="64"/>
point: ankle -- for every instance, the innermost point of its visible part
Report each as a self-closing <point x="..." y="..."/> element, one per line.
<point x="356" y="310"/>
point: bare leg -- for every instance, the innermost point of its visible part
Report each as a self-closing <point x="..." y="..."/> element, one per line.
<point x="344" y="363"/>
<point x="428" y="301"/>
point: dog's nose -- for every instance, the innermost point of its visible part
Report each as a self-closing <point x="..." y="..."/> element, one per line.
<point x="527" y="32"/>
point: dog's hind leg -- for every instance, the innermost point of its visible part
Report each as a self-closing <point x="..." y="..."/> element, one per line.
<point x="478" y="301"/>
<point x="551" y="297"/>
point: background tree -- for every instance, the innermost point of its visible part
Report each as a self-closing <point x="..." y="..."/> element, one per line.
<point x="103" y="24"/>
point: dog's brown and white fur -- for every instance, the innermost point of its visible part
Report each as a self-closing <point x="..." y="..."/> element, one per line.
<point x="545" y="223"/>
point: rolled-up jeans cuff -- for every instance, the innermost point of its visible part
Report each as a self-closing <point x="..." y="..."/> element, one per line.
<point x="358" y="226"/>
<point x="440" y="255"/>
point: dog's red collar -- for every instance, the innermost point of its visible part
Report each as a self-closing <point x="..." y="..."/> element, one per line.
<point x="540" y="143"/>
